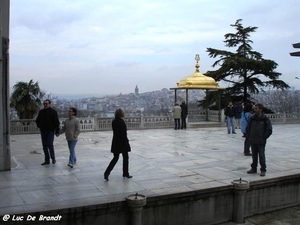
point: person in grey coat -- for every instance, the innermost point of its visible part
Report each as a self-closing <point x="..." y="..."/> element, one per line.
<point x="258" y="130"/>
<point x="71" y="128"/>
<point x="177" y="116"/>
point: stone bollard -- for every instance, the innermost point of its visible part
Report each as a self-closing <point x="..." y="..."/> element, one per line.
<point x="240" y="187"/>
<point x="136" y="203"/>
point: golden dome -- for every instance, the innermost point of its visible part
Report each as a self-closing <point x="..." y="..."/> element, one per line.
<point x="197" y="80"/>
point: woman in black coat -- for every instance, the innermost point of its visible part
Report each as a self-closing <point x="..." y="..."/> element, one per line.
<point x="120" y="144"/>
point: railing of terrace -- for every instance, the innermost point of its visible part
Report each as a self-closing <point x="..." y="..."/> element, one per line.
<point x="291" y="118"/>
<point x="196" y="115"/>
<point x="285" y="118"/>
<point x="277" y="118"/>
<point x="200" y="115"/>
<point x="143" y="122"/>
<point x="157" y="122"/>
<point x="103" y="123"/>
<point x="23" y="127"/>
<point x="29" y="126"/>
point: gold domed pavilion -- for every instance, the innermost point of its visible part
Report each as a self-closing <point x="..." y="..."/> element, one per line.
<point x="196" y="81"/>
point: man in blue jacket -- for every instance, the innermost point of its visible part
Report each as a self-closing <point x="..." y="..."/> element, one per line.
<point x="258" y="130"/>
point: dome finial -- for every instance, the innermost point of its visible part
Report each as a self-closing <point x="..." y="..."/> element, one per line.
<point x="197" y="58"/>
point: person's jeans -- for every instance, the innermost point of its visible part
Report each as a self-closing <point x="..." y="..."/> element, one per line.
<point x="230" y="124"/>
<point x="246" y="145"/>
<point x="114" y="161"/>
<point x="47" y="142"/>
<point x="177" y="123"/>
<point x="72" y="157"/>
<point x="238" y="123"/>
<point x="258" y="151"/>
<point x="183" y="122"/>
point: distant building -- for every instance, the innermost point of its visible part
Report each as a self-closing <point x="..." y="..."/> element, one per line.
<point x="136" y="91"/>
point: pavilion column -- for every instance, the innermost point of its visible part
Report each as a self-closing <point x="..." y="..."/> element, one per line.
<point x="219" y="104"/>
<point x="187" y="97"/>
<point x="206" y="105"/>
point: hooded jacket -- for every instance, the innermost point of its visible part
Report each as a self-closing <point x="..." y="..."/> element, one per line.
<point x="259" y="129"/>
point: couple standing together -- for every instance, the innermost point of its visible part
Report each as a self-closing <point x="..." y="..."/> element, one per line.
<point x="180" y="112"/>
<point x="49" y="125"/>
<point x="48" y="122"/>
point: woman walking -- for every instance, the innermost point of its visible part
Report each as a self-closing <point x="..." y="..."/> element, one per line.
<point x="120" y="144"/>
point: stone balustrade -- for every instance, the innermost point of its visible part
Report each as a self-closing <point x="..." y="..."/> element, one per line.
<point x="145" y="122"/>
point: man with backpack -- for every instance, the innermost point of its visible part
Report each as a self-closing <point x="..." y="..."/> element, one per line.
<point x="258" y="130"/>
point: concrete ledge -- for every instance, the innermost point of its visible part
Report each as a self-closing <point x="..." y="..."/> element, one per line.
<point x="206" y="206"/>
<point x="272" y="194"/>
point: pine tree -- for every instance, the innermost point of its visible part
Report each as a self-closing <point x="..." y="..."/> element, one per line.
<point x="244" y="68"/>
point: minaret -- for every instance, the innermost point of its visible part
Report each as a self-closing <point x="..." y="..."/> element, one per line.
<point x="136" y="90"/>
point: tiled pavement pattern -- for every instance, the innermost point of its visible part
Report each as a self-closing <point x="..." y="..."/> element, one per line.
<point x="162" y="161"/>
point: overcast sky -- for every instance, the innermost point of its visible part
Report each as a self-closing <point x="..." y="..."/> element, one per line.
<point x="109" y="47"/>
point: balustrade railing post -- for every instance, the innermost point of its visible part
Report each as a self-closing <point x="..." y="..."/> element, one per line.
<point x="142" y="121"/>
<point x="136" y="203"/>
<point x="95" y="124"/>
<point x="222" y="116"/>
<point x="240" y="187"/>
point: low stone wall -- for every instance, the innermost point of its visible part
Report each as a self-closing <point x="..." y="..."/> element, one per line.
<point x="273" y="194"/>
<point x="207" y="206"/>
<point x="143" y="122"/>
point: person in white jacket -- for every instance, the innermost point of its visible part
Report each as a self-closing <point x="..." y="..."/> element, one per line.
<point x="71" y="128"/>
<point x="176" y="116"/>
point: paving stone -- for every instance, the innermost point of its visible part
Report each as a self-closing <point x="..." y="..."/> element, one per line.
<point x="162" y="161"/>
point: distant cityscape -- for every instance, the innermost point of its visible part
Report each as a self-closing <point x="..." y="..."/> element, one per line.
<point x="160" y="102"/>
<point x="153" y="103"/>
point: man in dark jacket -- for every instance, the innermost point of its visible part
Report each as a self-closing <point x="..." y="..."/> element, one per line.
<point x="258" y="130"/>
<point x="230" y="113"/>
<point x="48" y="122"/>
<point x="184" y="113"/>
